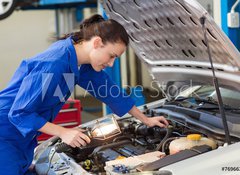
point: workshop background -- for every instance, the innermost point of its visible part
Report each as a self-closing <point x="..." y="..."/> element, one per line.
<point x="32" y="29"/>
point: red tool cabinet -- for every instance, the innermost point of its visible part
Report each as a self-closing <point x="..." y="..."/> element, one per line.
<point x="69" y="116"/>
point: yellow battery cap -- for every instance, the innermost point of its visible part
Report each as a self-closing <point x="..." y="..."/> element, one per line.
<point x="120" y="157"/>
<point x="194" y="137"/>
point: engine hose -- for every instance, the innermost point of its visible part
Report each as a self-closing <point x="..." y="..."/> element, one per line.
<point x="54" y="140"/>
<point x="169" y="131"/>
<point x="61" y="147"/>
<point x="168" y="140"/>
<point x="122" y="138"/>
<point x="109" y="146"/>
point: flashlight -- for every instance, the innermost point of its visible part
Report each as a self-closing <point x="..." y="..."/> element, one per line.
<point x="102" y="129"/>
<point x="105" y="128"/>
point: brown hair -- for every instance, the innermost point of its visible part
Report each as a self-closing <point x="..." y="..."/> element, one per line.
<point x="109" y="30"/>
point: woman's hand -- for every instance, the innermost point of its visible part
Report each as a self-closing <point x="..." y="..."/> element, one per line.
<point x="74" y="137"/>
<point x="149" y="121"/>
<point x="157" y="121"/>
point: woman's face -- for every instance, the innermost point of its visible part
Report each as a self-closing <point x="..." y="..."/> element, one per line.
<point x="104" y="55"/>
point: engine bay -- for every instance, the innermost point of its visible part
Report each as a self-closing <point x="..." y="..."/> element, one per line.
<point x="138" y="148"/>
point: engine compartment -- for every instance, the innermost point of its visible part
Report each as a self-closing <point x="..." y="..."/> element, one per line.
<point x="137" y="148"/>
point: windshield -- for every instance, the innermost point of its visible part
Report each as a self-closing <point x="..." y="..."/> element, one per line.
<point x="230" y="97"/>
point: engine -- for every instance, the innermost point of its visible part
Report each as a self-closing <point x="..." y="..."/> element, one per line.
<point x="137" y="148"/>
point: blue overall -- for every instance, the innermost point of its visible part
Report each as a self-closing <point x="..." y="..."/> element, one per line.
<point x="35" y="95"/>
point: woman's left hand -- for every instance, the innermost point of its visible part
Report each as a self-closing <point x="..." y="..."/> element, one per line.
<point x="149" y="121"/>
<point x="157" y="121"/>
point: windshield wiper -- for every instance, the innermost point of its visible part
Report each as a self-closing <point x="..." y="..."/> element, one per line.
<point x="208" y="103"/>
<point x="214" y="105"/>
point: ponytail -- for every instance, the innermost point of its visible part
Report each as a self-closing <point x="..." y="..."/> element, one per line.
<point x="109" y="30"/>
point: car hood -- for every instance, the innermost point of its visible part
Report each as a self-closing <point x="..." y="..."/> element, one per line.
<point x="168" y="37"/>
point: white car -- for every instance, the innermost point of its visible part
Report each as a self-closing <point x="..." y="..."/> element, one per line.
<point x="168" y="36"/>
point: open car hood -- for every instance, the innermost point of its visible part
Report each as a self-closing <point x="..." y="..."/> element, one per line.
<point x="168" y="37"/>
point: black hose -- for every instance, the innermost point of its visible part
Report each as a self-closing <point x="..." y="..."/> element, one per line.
<point x="169" y="132"/>
<point x="122" y="138"/>
<point x="167" y="140"/>
<point x="61" y="147"/>
<point x="109" y="146"/>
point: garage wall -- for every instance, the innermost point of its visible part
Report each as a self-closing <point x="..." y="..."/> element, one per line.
<point x="22" y="35"/>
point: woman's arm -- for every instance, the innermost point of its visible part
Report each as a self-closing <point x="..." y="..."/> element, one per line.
<point x="149" y="121"/>
<point x="73" y="137"/>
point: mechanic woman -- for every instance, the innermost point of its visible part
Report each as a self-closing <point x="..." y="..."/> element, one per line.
<point x="42" y="83"/>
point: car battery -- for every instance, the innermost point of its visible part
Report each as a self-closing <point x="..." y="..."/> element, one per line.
<point x="69" y="116"/>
